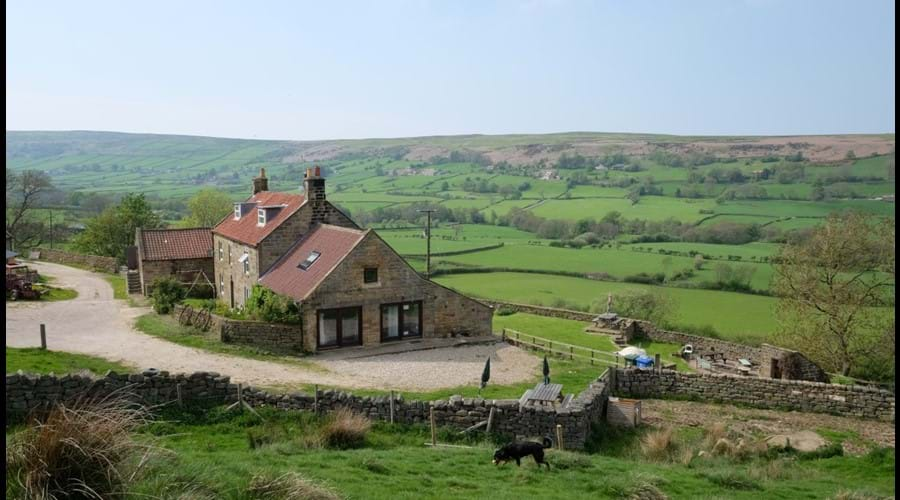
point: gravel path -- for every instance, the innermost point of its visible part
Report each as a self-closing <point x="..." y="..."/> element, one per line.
<point x="96" y="324"/>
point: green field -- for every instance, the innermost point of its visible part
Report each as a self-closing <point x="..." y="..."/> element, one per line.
<point x="734" y="315"/>
<point x="655" y="208"/>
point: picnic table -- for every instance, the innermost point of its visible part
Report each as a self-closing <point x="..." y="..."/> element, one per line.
<point x="542" y="393"/>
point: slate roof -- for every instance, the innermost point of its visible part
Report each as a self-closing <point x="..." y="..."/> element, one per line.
<point x="334" y="244"/>
<point x="174" y="244"/>
<point x="245" y="230"/>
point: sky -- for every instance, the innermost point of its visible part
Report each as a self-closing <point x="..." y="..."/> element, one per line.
<point x="342" y="70"/>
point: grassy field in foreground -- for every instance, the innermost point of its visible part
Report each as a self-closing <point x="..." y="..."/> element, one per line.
<point x="213" y="459"/>
<point x="733" y="315"/>
<point x="36" y="360"/>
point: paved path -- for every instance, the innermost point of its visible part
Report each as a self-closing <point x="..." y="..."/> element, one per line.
<point x="96" y="324"/>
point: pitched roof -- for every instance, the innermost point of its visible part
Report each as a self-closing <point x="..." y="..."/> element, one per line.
<point x="10" y="254"/>
<point x="245" y="229"/>
<point x="173" y="244"/>
<point x="333" y="243"/>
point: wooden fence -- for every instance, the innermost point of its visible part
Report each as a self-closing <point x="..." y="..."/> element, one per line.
<point x="561" y="349"/>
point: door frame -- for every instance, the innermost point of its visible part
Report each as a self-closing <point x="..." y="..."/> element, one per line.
<point x="340" y="327"/>
<point x="400" y="320"/>
<point x="231" y="290"/>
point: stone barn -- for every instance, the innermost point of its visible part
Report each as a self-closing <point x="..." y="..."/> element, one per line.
<point x="352" y="288"/>
<point x="184" y="254"/>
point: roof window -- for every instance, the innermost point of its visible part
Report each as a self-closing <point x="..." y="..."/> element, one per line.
<point x="310" y="260"/>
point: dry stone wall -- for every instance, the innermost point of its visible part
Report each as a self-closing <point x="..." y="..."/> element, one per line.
<point x="796" y="395"/>
<point x="30" y="394"/>
<point x="96" y="262"/>
<point x="543" y="311"/>
<point x="270" y="336"/>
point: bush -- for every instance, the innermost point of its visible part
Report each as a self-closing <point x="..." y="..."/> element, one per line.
<point x="266" y="305"/>
<point x="166" y="293"/>
<point x="345" y="429"/>
<point x="651" y="306"/>
<point x="658" y="445"/>
<point x="505" y="311"/>
<point x="86" y="447"/>
<point x="647" y="279"/>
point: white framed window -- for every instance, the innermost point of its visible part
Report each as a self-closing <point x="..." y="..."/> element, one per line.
<point x="221" y="285"/>
<point x="245" y="260"/>
<point x="246" y="294"/>
<point x="221" y="254"/>
<point x="237" y="210"/>
<point x="260" y="217"/>
<point x="229" y="254"/>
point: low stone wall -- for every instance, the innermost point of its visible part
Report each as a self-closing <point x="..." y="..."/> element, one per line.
<point x="797" y="395"/>
<point x="97" y="262"/>
<point x="27" y="394"/>
<point x="270" y="336"/>
<point x="542" y="311"/>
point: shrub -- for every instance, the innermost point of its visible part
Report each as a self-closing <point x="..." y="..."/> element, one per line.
<point x="166" y="293"/>
<point x="505" y="311"/>
<point x="645" y="278"/>
<point x="289" y="486"/>
<point x="345" y="429"/>
<point x="648" y="305"/>
<point x="85" y="448"/>
<point x="266" y="305"/>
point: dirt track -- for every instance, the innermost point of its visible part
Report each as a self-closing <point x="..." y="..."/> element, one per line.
<point x="96" y="324"/>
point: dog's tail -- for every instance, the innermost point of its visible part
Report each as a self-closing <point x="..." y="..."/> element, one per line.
<point x="548" y="443"/>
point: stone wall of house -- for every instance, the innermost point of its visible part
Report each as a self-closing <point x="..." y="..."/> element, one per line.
<point x="795" y="395"/>
<point x="444" y="312"/>
<point x="27" y="394"/>
<point x="181" y="269"/>
<point x="274" y="337"/>
<point x="229" y="273"/>
<point x="552" y="312"/>
<point x="96" y="262"/>
<point x="294" y="227"/>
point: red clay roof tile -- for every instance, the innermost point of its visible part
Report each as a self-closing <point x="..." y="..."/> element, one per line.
<point x="333" y="243"/>
<point x="173" y="244"/>
<point x="246" y="230"/>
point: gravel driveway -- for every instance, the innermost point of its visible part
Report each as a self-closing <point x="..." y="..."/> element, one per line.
<point x="96" y="324"/>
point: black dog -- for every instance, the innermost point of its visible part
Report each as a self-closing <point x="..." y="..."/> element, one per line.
<point x="516" y="451"/>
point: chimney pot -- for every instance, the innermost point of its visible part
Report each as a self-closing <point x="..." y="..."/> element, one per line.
<point x="318" y="172"/>
<point x="308" y="172"/>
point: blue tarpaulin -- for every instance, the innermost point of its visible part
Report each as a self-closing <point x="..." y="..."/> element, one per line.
<point x="643" y="362"/>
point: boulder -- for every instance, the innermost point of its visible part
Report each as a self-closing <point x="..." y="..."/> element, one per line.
<point x="805" y="441"/>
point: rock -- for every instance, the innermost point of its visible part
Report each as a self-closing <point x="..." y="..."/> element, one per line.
<point x="805" y="441"/>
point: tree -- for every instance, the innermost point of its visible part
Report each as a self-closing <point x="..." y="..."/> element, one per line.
<point x="652" y="306"/>
<point x="818" y="191"/>
<point x="207" y="208"/>
<point x="114" y="229"/>
<point x="24" y="191"/>
<point x="834" y="287"/>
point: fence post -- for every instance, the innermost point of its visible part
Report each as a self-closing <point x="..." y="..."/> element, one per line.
<point x="490" y="423"/>
<point x="571" y="353"/>
<point x="316" y="401"/>
<point x="433" y="430"/>
<point x="43" y="337"/>
<point x="178" y="396"/>
<point x="592" y="357"/>
<point x="240" y="401"/>
<point x="503" y="335"/>
<point x="559" y="436"/>
<point x="658" y="366"/>
<point x="392" y="407"/>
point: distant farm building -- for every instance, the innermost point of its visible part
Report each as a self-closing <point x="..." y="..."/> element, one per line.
<point x="184" y="254"/>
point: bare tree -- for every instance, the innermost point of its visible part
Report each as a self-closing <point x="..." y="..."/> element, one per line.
<point x="23" y="193"/>
<point x="835" y="288"/>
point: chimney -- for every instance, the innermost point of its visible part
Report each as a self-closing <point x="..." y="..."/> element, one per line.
<point x="260" y="183"/>
<point x="314" y="185"/>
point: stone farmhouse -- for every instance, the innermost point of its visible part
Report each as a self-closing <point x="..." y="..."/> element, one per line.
<point x="184" y="254"/>
<point x="352" y="288"/>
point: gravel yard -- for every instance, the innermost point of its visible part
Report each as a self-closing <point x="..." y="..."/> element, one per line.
<point x="439" y="368"/>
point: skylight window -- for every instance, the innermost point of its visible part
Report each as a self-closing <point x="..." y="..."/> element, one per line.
<point x="313" y="256"/>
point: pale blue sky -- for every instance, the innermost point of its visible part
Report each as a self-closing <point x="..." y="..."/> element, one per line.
<point x="330" y="70"/>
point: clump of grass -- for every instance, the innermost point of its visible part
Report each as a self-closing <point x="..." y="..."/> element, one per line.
<point x="732" y="480"/>
<point x="647" y="491"/>
<point x="831" y="450"/>
<point x="658" y="444"/>
<point x="714" y="432"/>
<point x="290" y="486"/>
<point x="857" y="495"/>
<point x="345" y="429"/>
<point x="568" y="460"/>
<point x="84" y="449"/>
<point x="723" y="447"/>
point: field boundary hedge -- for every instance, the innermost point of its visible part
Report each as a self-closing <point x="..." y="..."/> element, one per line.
<point x="456" y="252"/>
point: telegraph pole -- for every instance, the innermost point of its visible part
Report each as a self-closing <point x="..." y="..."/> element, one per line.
<point x="428" y="244"/>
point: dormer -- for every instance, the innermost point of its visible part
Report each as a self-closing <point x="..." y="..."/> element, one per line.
<point x="242" y="209"/>
<point x="267" y="213"/>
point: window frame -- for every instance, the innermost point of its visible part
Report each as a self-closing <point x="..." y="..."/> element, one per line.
<point x="400" y="305"/>
<point x="260" y="216"/>
<point x="314" y="260"/>
<point x="365" y="277"/>
<point x="237" y="211"/>
<point x="340" y="326"/>
<point x="221" y="253"/>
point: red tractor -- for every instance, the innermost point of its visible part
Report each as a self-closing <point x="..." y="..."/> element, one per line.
<point x="20" y="281"/>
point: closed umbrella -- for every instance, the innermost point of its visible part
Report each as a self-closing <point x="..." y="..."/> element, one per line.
<point x="486" y="374"/>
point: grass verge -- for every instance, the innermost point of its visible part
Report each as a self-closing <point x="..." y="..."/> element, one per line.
<point x="56" y="294"/>
<point x="37" y="360"/>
